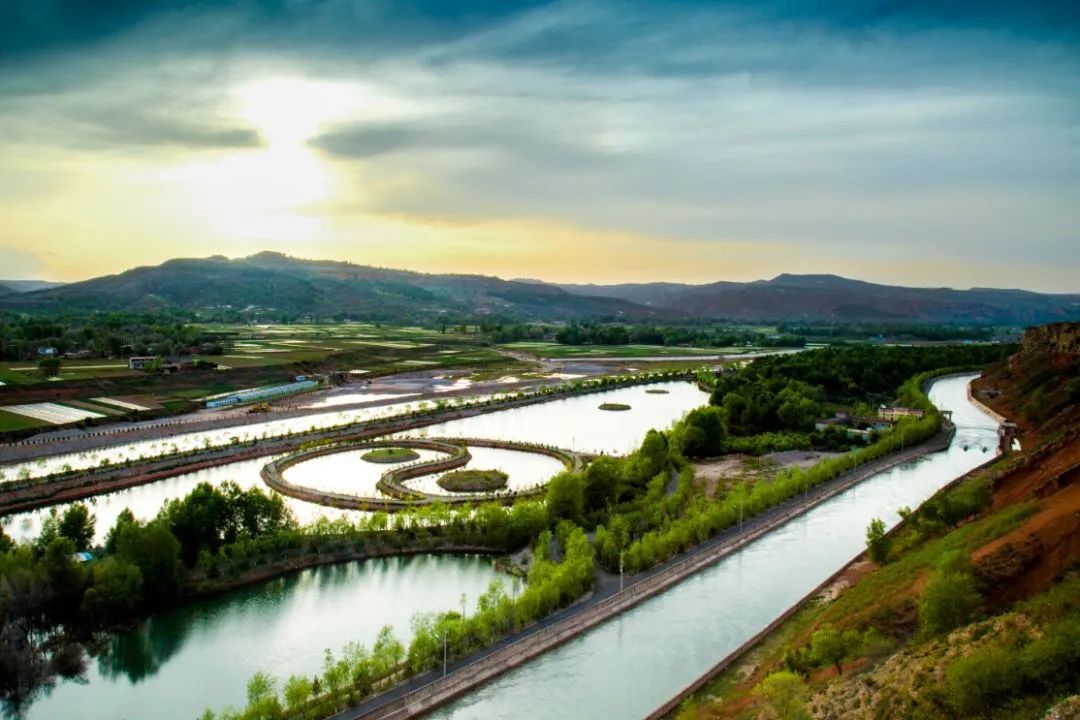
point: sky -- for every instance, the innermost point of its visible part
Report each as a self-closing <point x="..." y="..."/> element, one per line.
<point x="918" y="143"/>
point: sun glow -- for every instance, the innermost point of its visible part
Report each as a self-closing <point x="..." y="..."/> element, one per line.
<point x="273" y="191"/>
<point x="291" y="111"/>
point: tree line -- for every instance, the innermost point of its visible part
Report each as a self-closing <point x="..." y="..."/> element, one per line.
<point x="104" y="335"/>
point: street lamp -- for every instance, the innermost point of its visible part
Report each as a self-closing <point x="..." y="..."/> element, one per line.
<point x="445" y="637"/>
<point x="622" y="554"/>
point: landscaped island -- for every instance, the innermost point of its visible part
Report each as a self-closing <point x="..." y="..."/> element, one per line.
<point x="657" y="391"/>
<point x="390" y="455"/>
<point x="614" y="406"/>
<point x="473" y="480"/>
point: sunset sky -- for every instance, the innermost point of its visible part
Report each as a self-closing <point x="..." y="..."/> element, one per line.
<point x="921" y="143"/>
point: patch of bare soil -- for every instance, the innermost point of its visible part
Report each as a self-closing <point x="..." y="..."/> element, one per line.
<point x="1040" y="476"/>
<point x="722" y="473"/>
<point x="1028" y="559"/>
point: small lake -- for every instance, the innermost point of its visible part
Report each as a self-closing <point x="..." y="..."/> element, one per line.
<point x="578" y="423"/>
<point x="180" y="662"/>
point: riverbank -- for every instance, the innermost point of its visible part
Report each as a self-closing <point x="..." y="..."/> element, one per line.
<point x="1010" y="524"/>
<point x="669" y="708"/>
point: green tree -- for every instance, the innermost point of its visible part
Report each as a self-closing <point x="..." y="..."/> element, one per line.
<point x="50" y="530"/>
<point x="6" y="543"/>
<point x="566" y="496"/>
<point x="125" y="518"/>
<point x="66" y="576"/>
<point x="950" y="599"/>
<point x="703" y="432"/>
<point x="828" y="647"/>
<point x="262" y="698"/>
<point x="115" y="591"/>
<point x="785" y="694"/>
<point x="601" y="482"/>
<point x="154" y="550"/>
<point x="49" y="366"/>
<point x="297" y="691"/>
<point x="77" y="525"/>
<point x="878" y="541"/>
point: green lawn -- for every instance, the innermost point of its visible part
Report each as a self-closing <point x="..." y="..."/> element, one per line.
<point x="10" y="422"/>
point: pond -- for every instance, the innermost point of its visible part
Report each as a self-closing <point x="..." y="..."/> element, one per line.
<point x="578" y="423"/>
<point x="180" y="662"/>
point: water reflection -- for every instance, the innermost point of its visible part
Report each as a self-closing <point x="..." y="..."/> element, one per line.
<point x="201" y="655"/>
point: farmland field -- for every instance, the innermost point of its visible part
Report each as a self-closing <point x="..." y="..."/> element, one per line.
<point x="253" y="356"/>
<point x="557" y="351"/>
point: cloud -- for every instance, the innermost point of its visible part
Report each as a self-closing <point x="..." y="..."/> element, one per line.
<point x="859" y="132"/>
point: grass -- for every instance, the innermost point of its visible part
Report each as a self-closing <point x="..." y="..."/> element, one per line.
<point x="473" y="480"/>
<point x="883" y="598"/>
<point x="390" y="455"/>
<point x="10" y="422"/>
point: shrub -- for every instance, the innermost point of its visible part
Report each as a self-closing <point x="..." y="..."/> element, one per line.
<point x="949" y="600"/>
<point x="976" y="684"/>
<point x="785" y="694"/>
<point x="877" y="541"/>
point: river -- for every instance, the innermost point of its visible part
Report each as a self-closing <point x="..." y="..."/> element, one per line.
<point x="630" y="665"/>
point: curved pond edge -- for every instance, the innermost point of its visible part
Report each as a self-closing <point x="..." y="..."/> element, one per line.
<point x="206" y="587"/>
<point x="429" y="692"/>
<point x="392" y="481"/>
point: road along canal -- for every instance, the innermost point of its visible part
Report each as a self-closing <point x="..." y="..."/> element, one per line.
<point x="631" y="664"/>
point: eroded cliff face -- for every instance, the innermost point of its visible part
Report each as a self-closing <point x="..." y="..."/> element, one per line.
<point x="1058" y="341"/>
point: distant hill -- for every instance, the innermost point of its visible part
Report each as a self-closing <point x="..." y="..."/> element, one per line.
<point x="323" y="288"/>
<point x="21" y="286"/>
<point x="818" y="298"/>
<point x="327" y="288"/>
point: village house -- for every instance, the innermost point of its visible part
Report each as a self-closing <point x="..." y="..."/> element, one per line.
<point x="898" y="413"/>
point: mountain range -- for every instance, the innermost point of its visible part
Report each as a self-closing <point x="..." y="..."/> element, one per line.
<point x="22" y="286"/>
<point x="324" y="288"/>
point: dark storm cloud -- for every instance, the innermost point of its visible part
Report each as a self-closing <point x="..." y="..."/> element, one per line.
<point x="34" y="25"/>
<point x="27" y="26"/>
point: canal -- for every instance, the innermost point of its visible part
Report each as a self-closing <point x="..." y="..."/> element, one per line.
<point x="629" y="666"/>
